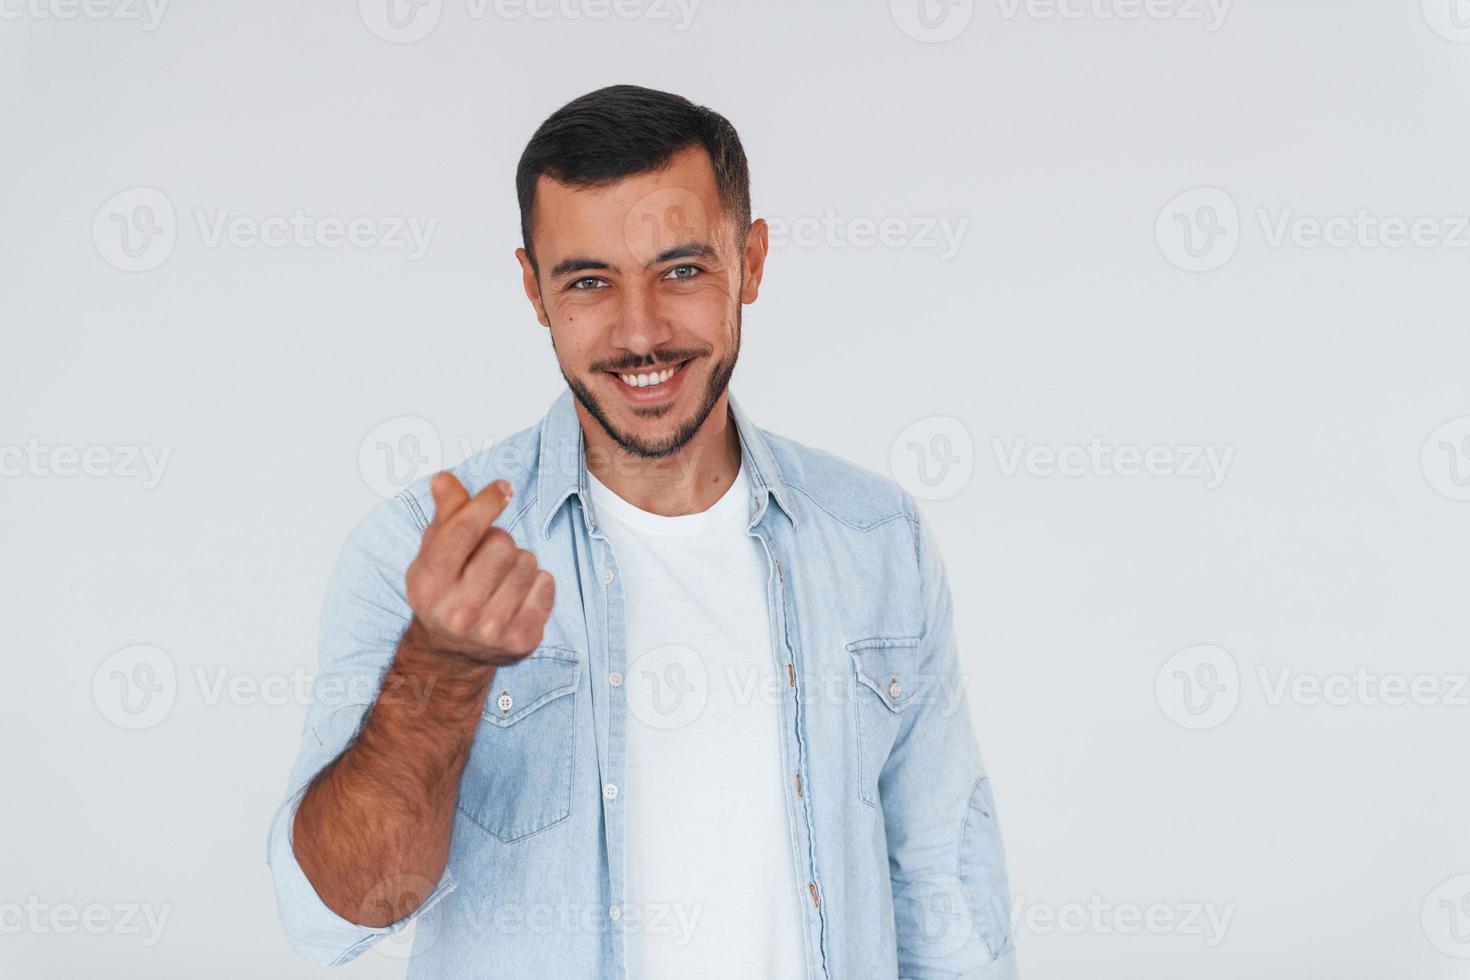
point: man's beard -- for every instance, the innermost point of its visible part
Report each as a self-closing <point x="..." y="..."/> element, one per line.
<point x="719" y="380"/>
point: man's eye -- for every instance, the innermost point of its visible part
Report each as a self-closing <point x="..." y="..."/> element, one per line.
<point x="683" y="272"/>
<point x="586" y="282"/>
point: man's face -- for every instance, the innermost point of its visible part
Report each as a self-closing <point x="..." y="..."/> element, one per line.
<point x="641" y="283"/>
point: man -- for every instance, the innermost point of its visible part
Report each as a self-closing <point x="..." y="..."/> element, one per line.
<point x="644" y="691"/>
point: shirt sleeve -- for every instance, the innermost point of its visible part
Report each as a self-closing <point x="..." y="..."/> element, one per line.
<point x="364" y="614"/>
<point x="946" y="862"/>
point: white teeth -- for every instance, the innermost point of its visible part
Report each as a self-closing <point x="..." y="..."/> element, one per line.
<point x="646" y="380"/>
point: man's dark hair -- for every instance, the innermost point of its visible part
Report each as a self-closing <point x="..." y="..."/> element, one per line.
<point x="622" y="130"/>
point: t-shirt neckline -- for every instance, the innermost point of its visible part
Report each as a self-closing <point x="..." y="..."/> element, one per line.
<point x="730" y="508"/>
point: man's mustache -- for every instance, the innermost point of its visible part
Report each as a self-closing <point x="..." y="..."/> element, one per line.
<point x="656" y="359"/>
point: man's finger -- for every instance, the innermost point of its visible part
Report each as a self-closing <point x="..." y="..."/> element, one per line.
<point x="449" y="496"/>
<point x="461" y="532"/>
<point x="501" y="607"/>
<point x="535" y="608"/>
<point x="487" y="564"/>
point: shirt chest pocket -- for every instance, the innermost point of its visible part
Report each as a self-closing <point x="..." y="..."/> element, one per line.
<point x="885" y="684"/>
<point x="518" y="779"/>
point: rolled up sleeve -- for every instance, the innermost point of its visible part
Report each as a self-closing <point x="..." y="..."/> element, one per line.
<point x="364" y="615"/>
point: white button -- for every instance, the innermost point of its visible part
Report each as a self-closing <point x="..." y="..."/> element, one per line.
<point x="616" y="912"/>
<point x="607" y="576"/>
<point x="505" y="702"/>
<point x="610" y="791"/>
<point x="893" y="689"/>
<point x="615" y="679"/>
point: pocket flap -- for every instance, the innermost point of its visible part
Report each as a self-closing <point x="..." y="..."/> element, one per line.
<point x="888" y="665"/>
<point x="520" y="688"/>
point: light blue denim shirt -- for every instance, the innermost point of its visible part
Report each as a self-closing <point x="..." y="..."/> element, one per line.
<point x="893" y="826"/>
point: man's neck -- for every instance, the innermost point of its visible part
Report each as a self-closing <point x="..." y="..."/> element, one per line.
<point x="685" y="482"/>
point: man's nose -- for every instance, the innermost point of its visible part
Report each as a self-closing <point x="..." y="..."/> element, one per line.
<point x="642" y="324"/>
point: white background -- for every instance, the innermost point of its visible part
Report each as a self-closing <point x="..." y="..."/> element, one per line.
<point x="1335" y="542"/>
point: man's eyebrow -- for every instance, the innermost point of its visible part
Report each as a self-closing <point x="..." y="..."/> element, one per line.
<point x="578" y="264"/>
<point x="582" y="263"/>
<point x="685" y="250"/>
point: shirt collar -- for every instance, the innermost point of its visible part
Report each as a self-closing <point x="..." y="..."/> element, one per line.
<point x="561" y="468"/>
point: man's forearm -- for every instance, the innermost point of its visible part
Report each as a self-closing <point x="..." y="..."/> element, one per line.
<point x="372" y="832"/>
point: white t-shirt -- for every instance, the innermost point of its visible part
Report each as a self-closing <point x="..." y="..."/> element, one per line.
<point x="711" y="885"/>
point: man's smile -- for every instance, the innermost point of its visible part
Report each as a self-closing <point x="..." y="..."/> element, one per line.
<point x="649" y="385"/>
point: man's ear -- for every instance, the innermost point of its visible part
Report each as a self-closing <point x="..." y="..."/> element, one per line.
<point x="532" y="287"/>
<point x="757" y="244"/>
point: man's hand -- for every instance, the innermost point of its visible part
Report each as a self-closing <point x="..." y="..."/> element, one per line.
<point x="473" y="592"/>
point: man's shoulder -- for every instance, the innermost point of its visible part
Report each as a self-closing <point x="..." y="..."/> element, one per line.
<point x="836" y="488"/>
